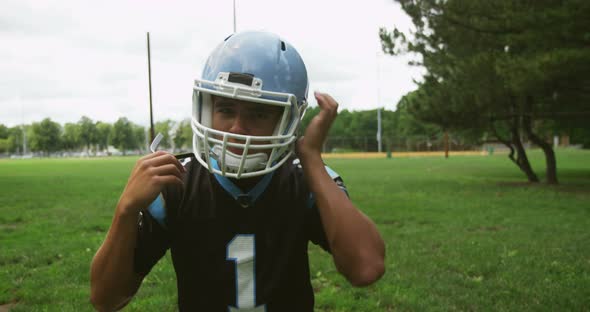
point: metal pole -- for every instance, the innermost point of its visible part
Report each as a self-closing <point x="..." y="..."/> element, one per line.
<point x="378" y="103"/>
<point x="22" y="119"/>
<point x="24" y="139"/>
<point x="152" y="136"/>
<point x="379" y="129"/>
<point x="446" y="139"/>
<point x="378" y="78"/>
<point x="234" y="16"/>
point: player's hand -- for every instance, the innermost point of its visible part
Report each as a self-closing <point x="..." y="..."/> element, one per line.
<point x="311" y="143"/>
<point x="149" y="176"/>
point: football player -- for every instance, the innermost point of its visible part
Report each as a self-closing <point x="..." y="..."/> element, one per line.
<point x="238" y="213"/>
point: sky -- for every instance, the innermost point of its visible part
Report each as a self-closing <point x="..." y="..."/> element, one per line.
<point x="68" y="59"/>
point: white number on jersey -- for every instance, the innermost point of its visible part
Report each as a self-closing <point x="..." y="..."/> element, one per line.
<point x="242" y="251"/>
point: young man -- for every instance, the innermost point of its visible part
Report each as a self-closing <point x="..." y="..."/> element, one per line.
<point x="238" y="215"/>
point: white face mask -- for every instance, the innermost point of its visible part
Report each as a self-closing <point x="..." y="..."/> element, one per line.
<point x="261" y="154"/>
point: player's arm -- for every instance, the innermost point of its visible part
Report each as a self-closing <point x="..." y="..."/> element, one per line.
<point x="113" y="279"/>
<point x="355" y="243"/>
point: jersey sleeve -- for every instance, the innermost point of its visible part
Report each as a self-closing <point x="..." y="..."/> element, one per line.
<point x="316" y="232"/>
<point x="153" y="239"/>
<point x="315" y="229"/>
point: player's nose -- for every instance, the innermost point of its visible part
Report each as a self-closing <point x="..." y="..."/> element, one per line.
<point x="239" y="125"/>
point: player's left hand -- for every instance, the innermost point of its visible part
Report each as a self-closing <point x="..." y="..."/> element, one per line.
<point x="311" y="143"/>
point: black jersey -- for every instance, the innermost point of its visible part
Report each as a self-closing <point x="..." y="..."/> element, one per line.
<point x="229" y="256"/>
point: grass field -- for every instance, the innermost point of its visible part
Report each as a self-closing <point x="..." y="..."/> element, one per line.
<point x="463" y="234"/>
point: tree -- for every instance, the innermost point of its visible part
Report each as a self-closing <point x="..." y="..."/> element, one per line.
<point x="88" y="134"/>
<point x="183" y="138"/>
<point x="499" y="63"/>
<point x="71" y="136"/>
<point x="409" y="129"/>
<point x="356" y="130"/>
<point x="123" y="137"/>
<point x="45" y="136"/>
<point x="164" y="128"/>
<point x="4" y="141"/>
<point x="4" y="132"/>
<point x="4" y="144"/>
<point x="15" y="139"/>
<point x="140" y="137"/>
<point x="103" y="135"/>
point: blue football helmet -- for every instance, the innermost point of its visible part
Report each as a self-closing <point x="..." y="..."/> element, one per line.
<point x="257" y="67"/>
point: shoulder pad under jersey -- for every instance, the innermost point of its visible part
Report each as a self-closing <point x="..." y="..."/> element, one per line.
<point x="158" y="210"/>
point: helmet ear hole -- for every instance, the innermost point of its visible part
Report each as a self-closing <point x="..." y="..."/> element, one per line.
<point x="283" y="47"/>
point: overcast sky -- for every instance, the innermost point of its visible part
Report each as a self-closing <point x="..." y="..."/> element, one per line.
<point x="68" y="59"/>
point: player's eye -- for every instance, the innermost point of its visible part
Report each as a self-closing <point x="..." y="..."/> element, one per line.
<point x="225" y="110"/>
<point x="262" y="115"/>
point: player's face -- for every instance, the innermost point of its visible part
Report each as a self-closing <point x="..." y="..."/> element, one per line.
<point x="247" y="118"/>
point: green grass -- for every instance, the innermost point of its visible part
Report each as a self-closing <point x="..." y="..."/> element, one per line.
<point x="464" y="233"/>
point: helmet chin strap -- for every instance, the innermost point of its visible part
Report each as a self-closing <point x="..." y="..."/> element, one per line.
<point x="232" y="160"/>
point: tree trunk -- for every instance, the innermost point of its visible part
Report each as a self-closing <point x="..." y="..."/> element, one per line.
<point x="503" y="141"/>
<point x="521" y="160"/>
<point x="550" y="162"/>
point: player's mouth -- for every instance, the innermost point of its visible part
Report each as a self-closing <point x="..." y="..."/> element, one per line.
<point x="236" y="150"/>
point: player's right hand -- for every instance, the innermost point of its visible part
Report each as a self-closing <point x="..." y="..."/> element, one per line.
<point x="310" y="145"/>
<point x="149" y="176"/>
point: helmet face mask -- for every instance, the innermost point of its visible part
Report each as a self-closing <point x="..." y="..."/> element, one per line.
<point x="255" y="67"/>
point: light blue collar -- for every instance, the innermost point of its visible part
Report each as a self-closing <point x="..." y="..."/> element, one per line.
<point x="244" y="199"/>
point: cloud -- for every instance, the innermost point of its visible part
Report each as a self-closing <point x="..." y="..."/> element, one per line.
<point x="66" y="59"/>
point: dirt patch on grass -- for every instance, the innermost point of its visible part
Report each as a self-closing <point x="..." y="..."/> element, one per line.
<point x="519" y="184"/>
<point x="6" y="307"/>
<point x="391" y="222"/>
<point x="9" y="227"/>
<point x="493" y="228"/>
<point x="565" y="188"/>
<point x="95" y="229"/>
<point x="573" y="189"/>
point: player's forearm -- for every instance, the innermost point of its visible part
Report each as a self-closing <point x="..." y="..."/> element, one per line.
<point x="355" y="243"/>
<point x="112" y="276"/>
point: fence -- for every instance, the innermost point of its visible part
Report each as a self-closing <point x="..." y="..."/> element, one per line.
<point x="408" y="144"/>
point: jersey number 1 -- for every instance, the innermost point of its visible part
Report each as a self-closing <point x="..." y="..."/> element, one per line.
<point x="242" y="251"/>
